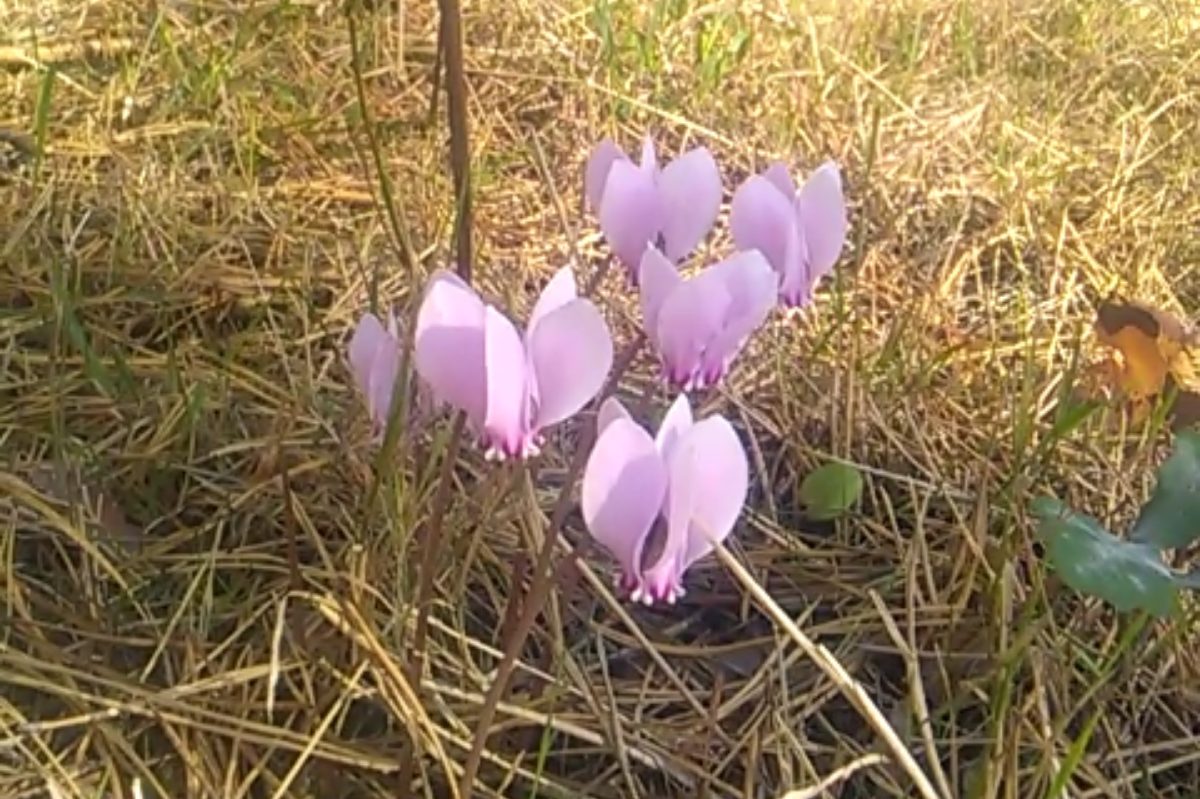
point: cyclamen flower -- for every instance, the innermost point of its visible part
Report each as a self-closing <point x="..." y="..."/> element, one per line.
<point x="673" y="207"/>
<point x="800" y="232"/>
<point x="699" y="325"/>
<point x="692" y="475"/>
<point x="511" y="386"/>
<point x="374" y="357"/>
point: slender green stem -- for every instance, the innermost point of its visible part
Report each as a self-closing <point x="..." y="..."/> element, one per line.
<point x="393" y="204"/>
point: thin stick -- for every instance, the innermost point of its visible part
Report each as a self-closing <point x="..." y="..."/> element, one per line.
<point x="834" y="670"/>
<point x="451" y="40"/>
<point x="920" y="706"/>
<point x="436" y="78"/>
<point x="833" y="779"/>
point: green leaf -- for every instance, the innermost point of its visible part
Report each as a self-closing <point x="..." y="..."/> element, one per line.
<point x="831" y="490"/>
<point x="1171" y="519"/>
<point x="1128" y="575"/>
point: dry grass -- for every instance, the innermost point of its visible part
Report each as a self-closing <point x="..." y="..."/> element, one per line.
<point x="203" y="593"/>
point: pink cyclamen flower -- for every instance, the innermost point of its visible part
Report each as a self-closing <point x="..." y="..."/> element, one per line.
<point x="374" y="357"/>
<point x="699" y="325"/>
<point x="638" y="205"/>
<point x="800" y="232"/>
<point x="511" y="386"/>
<point x="693" y="475"/>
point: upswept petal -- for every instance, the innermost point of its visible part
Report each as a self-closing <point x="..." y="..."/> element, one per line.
<point x="795" y="287"/>
<point x="610" y="410"/>
<point x="753" y="290"/>
<point x="449" y="352"/>
<point x="708" y="475"/>
<point x="556" y="293"/>
<point x="374" y="355"/>
<point x="649" y="162"/>
<point x="570" y="352"/>
<point x="823" y="219"/>
<point x="663" y="580"/>
<point x="761" y="217"/>
<point x="691" y="317"/>
<point x="690" y="187"/>
<point x="715" y="465"/>
<point x="506" y="425"/>
<point x="631" y="212"/>
<point x="596" y="173"/>
<point x="657" y="278"/>
<point x="623" y="485"/>
<point x="382" y="384"/>
<point x="779" y="176"/>
<point x="673" y="427"/>
<point x="676" y="422"/>
<point x="364" y="343"/>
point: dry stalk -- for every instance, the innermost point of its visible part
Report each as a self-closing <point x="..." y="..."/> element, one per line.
<point x="825" y="660"/>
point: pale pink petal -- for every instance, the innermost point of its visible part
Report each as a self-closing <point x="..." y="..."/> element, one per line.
<point x="657" y="278"/>
<point x="374" y="355"/>
<point x="631" y="213"/>
<point x="649" y="162"/>
<point x="719" y="473"/>
<point x="506" y="426"/>
<point x="823" y="220"/>
<point x="676" y="422"/>
<point x="368" y="335"/>
<point x="708" y="478"/>
<point x="761" y="218"/>
<point x="690" y="187"/>
<point x="795" y="286"/>
<point x="571" y="353"/>
<point x="558" y="292"/>
<point x="691" y="317"/>
<point x="610" y="410"/>
<point x="385" y="367"/>
<point x="777" y="173"/>
<point x="753" y="290"/>
<point x="596" y="172"/>
<point x="449" y="353"/>
<point x="622" y="493"/>
<point x="663" y="581"/>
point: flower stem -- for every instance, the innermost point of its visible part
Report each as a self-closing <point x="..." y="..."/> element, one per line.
<point x="542" y="580"/>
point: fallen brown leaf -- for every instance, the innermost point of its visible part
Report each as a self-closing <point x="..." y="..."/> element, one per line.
<point x="1152" y="349"/>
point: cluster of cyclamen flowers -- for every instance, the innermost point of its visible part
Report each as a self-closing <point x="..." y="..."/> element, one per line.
<point x="513" y="385"/>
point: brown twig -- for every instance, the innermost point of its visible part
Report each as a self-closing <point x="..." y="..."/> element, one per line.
<point x="542" y="580"/>
<point x="451" y="40"/>
<point x="450" y="53"/>
<point x="435" y="76"/>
